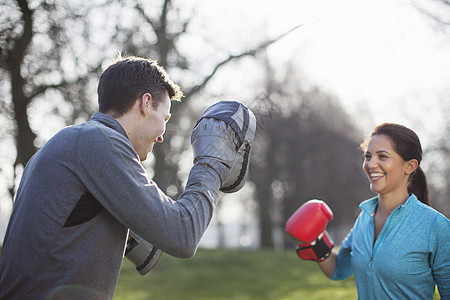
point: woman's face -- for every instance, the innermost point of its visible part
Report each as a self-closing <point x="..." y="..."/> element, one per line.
<point x="385" y="168"/>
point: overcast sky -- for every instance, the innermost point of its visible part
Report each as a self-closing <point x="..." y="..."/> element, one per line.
<point x="379" y="56"/>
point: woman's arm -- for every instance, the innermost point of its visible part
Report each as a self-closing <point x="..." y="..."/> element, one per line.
<point x="328" y="265"/>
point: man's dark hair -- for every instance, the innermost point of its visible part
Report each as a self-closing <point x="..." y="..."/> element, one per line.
<point x="127" y="79"/>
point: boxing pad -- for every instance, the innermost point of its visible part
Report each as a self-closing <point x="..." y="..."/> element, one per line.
<point x="307" y="228"/>
<point x="225" y="131"/>
<point x="143" y="254"/>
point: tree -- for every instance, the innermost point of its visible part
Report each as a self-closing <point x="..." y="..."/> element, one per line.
<point x="437" y="11"/>
<point x="39" y="43"/>
<point x="156" y="35"/>
<point x="52" y="54"/>
<point x="438" y="14"/>
<point x="438" y="172"/>
<point x="307" y="147"/>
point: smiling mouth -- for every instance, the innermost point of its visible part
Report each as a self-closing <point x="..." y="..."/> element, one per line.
<point x="376" y="176"/>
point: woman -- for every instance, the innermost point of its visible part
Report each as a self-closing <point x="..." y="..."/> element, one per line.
<point x="399" y="247"/>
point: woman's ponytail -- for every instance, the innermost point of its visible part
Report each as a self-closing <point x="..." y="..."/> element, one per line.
<point x="418" y="186"/>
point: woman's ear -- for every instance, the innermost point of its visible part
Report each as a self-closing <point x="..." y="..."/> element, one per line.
<point x="411" y="166"/>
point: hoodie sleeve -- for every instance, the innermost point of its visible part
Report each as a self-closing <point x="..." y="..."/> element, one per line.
<point x="110" y="169"/>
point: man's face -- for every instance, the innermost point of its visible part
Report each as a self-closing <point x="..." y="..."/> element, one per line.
<point x="153" y="127"/>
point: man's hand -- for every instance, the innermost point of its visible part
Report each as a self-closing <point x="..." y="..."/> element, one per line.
<point x="143" y="254"/>
<point x="225" y="132"/>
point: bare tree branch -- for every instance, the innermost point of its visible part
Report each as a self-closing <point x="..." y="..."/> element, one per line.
<point x="141" y="10"/>
<point x="197" y="88"/>
<point x="164" y="12"/>
<point x="433" y="16"/>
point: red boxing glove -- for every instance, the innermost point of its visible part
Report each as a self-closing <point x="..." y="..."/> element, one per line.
<point x="307" y="227"/>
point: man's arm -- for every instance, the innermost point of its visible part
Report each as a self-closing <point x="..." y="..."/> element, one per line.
<point x="117" y="179"/>
<point x="112" y="172"/>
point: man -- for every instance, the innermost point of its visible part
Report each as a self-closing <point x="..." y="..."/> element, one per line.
<point x="82" y="192"/>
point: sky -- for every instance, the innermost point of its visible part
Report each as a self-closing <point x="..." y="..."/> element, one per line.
<point x="383" y="59"/>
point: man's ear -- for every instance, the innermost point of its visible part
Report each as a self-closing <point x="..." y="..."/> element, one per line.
<point x="145" y="103"/>
<point x="411" y="166"/>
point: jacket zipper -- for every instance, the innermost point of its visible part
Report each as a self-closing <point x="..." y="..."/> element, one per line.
<point x="379" y="239"/>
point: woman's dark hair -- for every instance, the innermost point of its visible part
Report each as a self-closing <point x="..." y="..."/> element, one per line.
<point x="407" y="144"/>
<point x="127" y="79"/>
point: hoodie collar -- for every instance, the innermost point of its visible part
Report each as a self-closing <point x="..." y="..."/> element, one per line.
<point x="108" y="121"/>
<point x="369" y="206"/>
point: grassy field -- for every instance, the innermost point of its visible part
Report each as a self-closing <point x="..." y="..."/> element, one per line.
<point x="232" y="274"/>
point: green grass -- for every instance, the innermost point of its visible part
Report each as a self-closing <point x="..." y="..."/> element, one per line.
<point x="234" y="275"/>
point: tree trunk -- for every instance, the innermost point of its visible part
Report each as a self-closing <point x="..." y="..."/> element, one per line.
<point x="24" y="136"/>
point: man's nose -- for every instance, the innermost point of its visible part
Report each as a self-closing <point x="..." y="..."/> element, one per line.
<point x="160" y="139"/>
